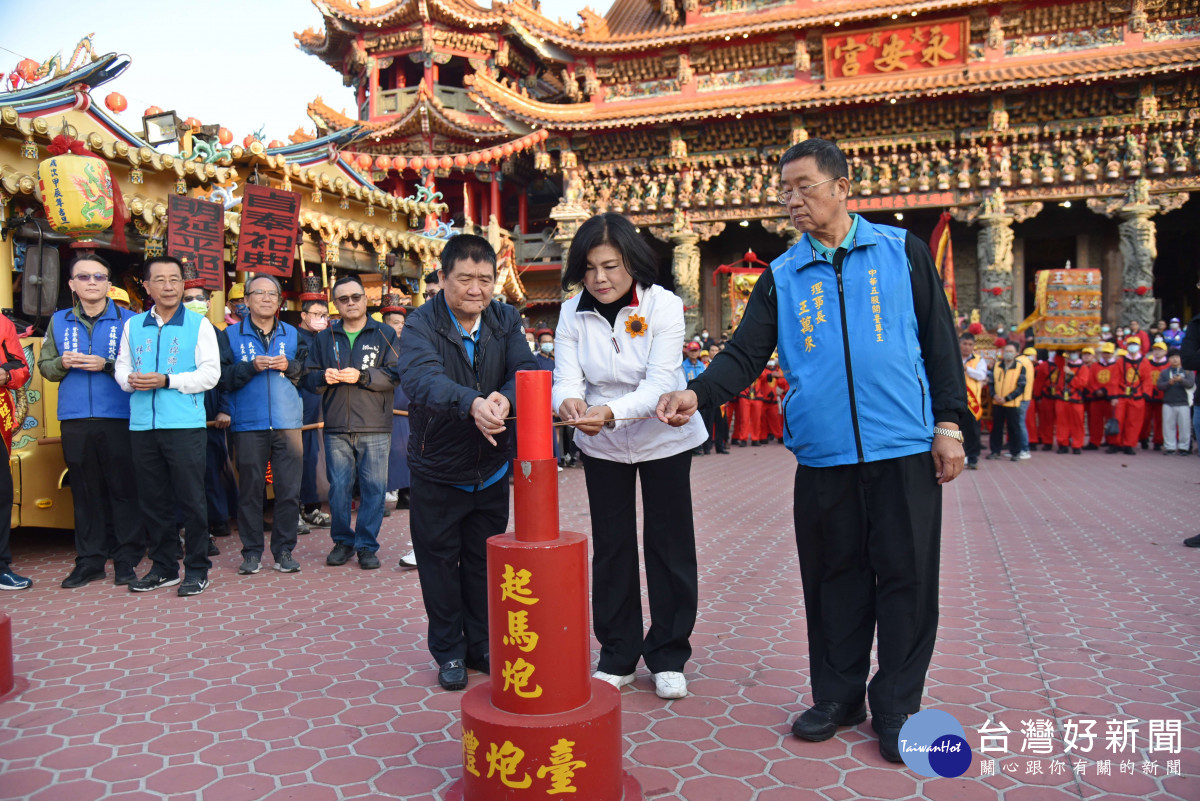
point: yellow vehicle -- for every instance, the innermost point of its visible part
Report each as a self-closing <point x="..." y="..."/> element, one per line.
<point x="41" y="493"/>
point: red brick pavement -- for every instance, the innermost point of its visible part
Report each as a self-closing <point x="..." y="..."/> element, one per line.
<point x="1066" y="595"/>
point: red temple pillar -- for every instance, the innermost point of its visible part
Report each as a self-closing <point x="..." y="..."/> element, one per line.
<point x="496" y="208"/>
<point x="541" y="724"/>
<point x="523" y="210"/>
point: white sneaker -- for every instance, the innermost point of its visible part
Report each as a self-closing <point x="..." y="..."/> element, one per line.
<point x="670" y="684"/>
<point x="390" y="498"/>
<point x="409" y="559"/>
<point x="616" y="681"/>
<point x="1025" y="455"/>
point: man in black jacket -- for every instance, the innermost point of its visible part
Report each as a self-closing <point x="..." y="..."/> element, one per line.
<point x="462" y="351"/>
<point x="352" y="364"/>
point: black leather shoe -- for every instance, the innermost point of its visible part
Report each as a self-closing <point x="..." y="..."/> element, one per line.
<point x="820" y="721"/>
<point x="1129" y="451"/>
<point x="887" y="725"/>
<point x="339" y="555"/>
<point x="124" y="576"/>
<point x="80" y="577"/>
<point x="1063" y="449"/>
<point x="1047" y="446"/>
<point x="1091" y="446"/>
<point x="483" y="665"/>
<point x="453" y="675"/>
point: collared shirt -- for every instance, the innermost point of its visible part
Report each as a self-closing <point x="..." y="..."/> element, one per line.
<point x="208" y="359"/>
<point x="827" y="253"/>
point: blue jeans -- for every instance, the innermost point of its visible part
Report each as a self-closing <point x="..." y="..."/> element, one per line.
<point x="1024" y="429"/>
<point x="364" y="456"/>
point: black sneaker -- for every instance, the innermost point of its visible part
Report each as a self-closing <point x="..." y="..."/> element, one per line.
<point x="887" y="726"/>
<point x="286" y="564"/>
<point x="402" y="501"/>
<point x="81" y="576"/>
<point x="1048" y="446"/>
<point x="1076" y="451"/>
<point x="193" y="585"/>
<point x="1091" y="446"/>
<point x="124" y="576"/>
<point x="1193" y="541"/>
<point x="1113" y="449"/>
<point x="340" y="555"/>
<point x="213" y="550"/>
<point x="250" y="565"/>
<point x="367" y="560"/>
<point x="219" y="530"/>
<point x="152" y="581"/>
<point x="1064" y="449"/>
<point x="1129" y="451"/>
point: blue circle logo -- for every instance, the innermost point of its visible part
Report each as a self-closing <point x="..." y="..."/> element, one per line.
<point x="932" y="743"/>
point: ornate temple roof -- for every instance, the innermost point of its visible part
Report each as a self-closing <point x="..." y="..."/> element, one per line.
<point x="424" y="110"/>
<point x="1016" y="74"/>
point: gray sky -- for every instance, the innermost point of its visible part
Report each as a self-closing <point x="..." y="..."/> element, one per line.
<point x="227" y="62"/>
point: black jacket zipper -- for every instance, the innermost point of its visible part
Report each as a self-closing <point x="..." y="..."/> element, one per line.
<point x="921" y="383"/>
<point x="838" y="257"/>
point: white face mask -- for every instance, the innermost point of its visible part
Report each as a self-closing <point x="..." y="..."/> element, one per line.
<point x="197" y="306"/>
<point x="318" y="323"/>
<point x="771" y="364"/>
<point x="704" y="334"/>
<point x="547" y="348"/>
<point x="1133" y="349"/>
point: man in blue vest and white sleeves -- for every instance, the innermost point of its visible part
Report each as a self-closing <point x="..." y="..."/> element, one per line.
<point x="169" y="357"/>
<point x="80" y="352"/>
<point x="262" y="359"/>
<point x="867" y="343"/>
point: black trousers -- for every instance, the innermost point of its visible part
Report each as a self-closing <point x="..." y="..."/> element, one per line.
<point x="6" y="504"/>
<point x="309" y="495"/>
<point x="99" y="457"/>
<point x="669" y="542"/>
<point x="869" y="540"/>
<point x="972" y="441"/>
<point x="1006" y="417"/>
<point x="252" y="450"/>
<point x="450" y="528"/>
<point x="720" y="429"/>
<point x="169" y="466"/>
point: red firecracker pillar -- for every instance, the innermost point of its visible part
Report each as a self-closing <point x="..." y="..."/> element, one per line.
<point x="541" y="725"/>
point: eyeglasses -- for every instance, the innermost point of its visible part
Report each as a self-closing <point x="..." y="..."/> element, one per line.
<point x="786" y="195"/>
<point x="429" y="293"/>
<point x="269" y="294"/>
<point x="354" y="298"/>
<point x="194" y="298"/>
<point x="88" y="278"/>
<point x="161" y="282"/>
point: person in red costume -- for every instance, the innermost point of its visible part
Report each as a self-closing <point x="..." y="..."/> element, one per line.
<point x="1070" y="394"/>
<point x="1039" y="420"/>
<point x="1132" y="385"/>
<point x="746" y="418"/>
<point x="1153" y="419"/>
<point x="770" y="388"/>
<point x="1103" y="378"/>
<point x="1048" y="401"/>
<point x="14" y="372"/>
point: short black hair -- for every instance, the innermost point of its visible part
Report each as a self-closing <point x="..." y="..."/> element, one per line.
<point x="389" y="313"/>
<point x="308" y="304"/>
<point x="96" y="257"/>
<point x="467" y="247"/>
<point x="431" y="277"/>
<point x="1174" y="352"/>
<point x="613" y="229"/>
<point x="966" y="336"/>
<point x="264" y="277"/>
<point x="150" y="262"/>
<point x="346" y="279"/>
<point x="831" y="160"/>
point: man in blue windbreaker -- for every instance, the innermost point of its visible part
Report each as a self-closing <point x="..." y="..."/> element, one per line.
<point x="168" y="359"/>
<point x="80" y="352"/>
<point x="262" y="359"/>
<point x="868" y="346"/>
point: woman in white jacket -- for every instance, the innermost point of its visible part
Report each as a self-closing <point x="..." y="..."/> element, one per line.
<point x="617" y="350"/>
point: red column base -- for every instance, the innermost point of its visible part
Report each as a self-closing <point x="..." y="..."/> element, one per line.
<point x="579" y="749"/>
<point x="9" y="684"/>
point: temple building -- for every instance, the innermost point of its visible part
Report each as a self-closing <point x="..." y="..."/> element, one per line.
<point x="1053" y="132"/>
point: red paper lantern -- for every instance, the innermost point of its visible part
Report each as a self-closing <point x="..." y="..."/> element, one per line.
<point x="473" y="158"/>
<point x="445" y="162"/>
<point x="224" y="136"/>
<point x="460" y="161"/>
<point x="544" y="134"/>
<point x="116" y="102"/>
<point x="363" y="161"/>
<point x="192" y="123"/>
<point x="493" y="154"/>
<point x="249" y="140"/>
<point x="507" y="150"/>
<point x="274" y="143"/>
<point x="14" y="79"/>
<point x="150" y="112"/>
<point x="399" y="163"/>
<point x="383" y="163"/>
<point x="1141" y="290"/>
<point x="27" y="68"/>
<point x="417" y="163"/>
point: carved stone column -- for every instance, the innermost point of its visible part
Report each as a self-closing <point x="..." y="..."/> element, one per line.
<point x="685" y="265"/>
<point x="994" y="251"/>
<point x="782" y="226"/>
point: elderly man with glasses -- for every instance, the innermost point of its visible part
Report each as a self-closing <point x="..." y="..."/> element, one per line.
<point x="262" y="359"/>
<point x="352" y="364"/>
<point x="79" y="352"/>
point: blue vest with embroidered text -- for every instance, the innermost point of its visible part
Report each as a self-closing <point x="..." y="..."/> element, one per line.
<point x="269" y="400"/>
<point x="169" y="350"/>
<point x="851" y="354"/>
<point x="83" y="393"/>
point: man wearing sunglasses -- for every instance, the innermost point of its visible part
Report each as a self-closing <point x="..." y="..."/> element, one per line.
<point x="79" y="352"/>
<point x="352" y="364"/>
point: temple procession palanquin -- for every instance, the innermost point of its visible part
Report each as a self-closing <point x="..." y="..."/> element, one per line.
<point x="1053" y="131"/>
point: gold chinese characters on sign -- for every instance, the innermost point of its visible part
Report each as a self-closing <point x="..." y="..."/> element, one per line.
<point x="896" y="49"/>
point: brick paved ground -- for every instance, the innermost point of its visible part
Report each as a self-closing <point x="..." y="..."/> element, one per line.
<point x="1066" y="594"/>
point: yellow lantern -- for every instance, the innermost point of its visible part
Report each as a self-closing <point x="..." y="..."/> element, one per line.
<point x="77" y="193"/>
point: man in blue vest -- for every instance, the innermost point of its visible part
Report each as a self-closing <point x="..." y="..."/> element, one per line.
<point x="867" y="343"/>
<point x="352" y="364"/>
<point x="261" y="362"/>
<point x="168" y="358"/>
<point x="80" y="351"/>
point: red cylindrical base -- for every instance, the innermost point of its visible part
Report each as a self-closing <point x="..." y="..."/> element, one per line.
<point x="538" y="624"/>
<point x="535" y="499"/>
<point x="631" y="790"/>
<point x="507" y="756"/>
<point x="7" y="676"/>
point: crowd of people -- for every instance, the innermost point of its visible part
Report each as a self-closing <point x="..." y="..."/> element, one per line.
<point x="875" y="393"/>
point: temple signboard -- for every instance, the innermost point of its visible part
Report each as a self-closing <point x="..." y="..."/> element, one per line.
<point x="897" y="49"/>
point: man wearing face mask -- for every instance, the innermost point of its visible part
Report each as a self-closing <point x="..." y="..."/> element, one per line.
<point x="1135" y="330"/>
<point x="1100" y="389"/>
<point x="237" y="309"/>
<point x="1132" y="388"/>
<point x="1173" y="336"/>
<point x="545" y="350"/>
<point x="771" y="388"/>
<point x="706" y="342"/>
